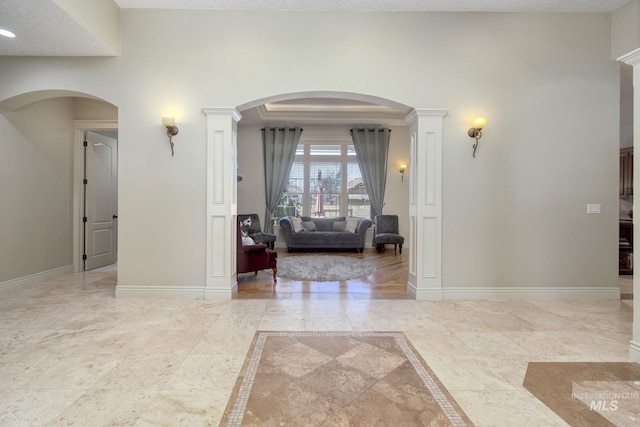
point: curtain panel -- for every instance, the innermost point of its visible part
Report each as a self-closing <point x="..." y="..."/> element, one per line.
<point x="372" y="150"/>
<point x="279" y="148"/>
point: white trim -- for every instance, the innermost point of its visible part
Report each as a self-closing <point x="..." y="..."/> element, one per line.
<point x="425" y="202"/>
<point x="634" y="351"/>
<point x="429" y="295"/>
<point x="173" y="292"/>
<point x="631" y="58"/>
<point x="531" y="293"/>
<point x="221" y="203"/>
<point x="221" y="294"/>
<point x="411" y="290"/>
<point x="34" y="279"/>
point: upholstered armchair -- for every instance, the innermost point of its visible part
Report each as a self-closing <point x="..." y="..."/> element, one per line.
<point x="250" y="224"/>
<point x="386" y="232"/>
<point x="254" y="257"/>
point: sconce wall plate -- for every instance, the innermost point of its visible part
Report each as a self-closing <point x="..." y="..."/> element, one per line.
<point x="402" y="169"/>
<point x="172" y="130"/>
<point x="476" y="131"/>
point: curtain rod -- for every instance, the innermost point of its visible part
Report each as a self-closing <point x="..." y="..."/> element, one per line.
<point x="263" y="129"/>
<point x="371" y="130"/>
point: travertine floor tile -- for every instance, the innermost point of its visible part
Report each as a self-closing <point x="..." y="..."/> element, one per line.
<point x="183" y="408"/>
<point x="71" y="352"/>
<point x="106" y="407"/>
<point x="34" y="407"/>
<point x="74" y="371"/>
<point x="506" y="408"/>
<point x="210" y="373"/>
<point x="142" y="371"/>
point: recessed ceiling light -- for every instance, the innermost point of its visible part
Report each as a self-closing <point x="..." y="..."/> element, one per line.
<point x="6" y="33"/>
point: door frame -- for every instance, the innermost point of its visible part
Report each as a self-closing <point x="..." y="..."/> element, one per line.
<point x="79" y="128"/>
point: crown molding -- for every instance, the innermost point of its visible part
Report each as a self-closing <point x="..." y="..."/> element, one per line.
<point x="631" y="58"/>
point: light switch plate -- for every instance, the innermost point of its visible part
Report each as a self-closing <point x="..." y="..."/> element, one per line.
<point x="593" y="208"/>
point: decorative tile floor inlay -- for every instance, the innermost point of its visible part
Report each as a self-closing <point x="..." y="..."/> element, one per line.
<point x="336" y="379"/>
<point x="588" y="393"/>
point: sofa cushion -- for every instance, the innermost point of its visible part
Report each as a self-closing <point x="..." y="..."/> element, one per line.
<point x="296" y="223"/>
<point x="339" y="225"/>
<point x="309" y="226"/>
<point x="352" y="224"/>
<point x="323" y="224"/>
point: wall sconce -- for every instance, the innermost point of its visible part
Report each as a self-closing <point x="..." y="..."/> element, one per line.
<point x="172" y="130"/>
<point x="402" y="169"/>
<point x="476" y="131"/>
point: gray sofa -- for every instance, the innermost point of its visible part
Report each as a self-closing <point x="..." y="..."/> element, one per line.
<point x="324" y="233"/>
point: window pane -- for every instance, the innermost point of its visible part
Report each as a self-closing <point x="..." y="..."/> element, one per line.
<point x="359" y="204"/>
<point x="326" y="197"/>
<point x="329" y="206"/>
<point x="291" y="202"/>
<point x="325" y="179"/>
<point x="326" y="150"/>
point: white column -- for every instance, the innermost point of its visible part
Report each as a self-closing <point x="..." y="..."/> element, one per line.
<point x="425" y="204"/>
<point x="222" y="165"/>
<point x="633" y="59"/>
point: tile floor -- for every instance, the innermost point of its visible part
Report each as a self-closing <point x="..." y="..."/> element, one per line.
<point x="338" y="378"/>
<point x="70" y="353"/>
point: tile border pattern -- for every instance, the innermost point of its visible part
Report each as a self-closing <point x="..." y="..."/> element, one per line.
<point x="237" y="413"/>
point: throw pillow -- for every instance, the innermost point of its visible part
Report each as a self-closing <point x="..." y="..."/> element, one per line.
<point x="309" y="226"/>
<point x="339" y="225"/>
<point x="296" y="223"/>
<point x="352" y="224"/>
<point x="247" y="241"/>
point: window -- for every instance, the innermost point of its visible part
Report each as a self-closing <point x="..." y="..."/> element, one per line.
<point x="325" y="181"/>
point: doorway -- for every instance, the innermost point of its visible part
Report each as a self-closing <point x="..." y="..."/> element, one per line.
<point x="95" y="194"/>
<point x="100" y="195"/>
<point x="625" y="235"/>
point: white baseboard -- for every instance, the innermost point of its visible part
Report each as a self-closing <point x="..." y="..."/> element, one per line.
<point x="511" y="293"/>
<point x="221" y="294"/>
<point x="411" y="289"/>
<point x="426" y="294"/>
<point x="169" y="292"/>
<point x="532" y="293"/>
<point x="34" y="279"/>
<point x="174" y="292"/>
<point x="634" y="351"/>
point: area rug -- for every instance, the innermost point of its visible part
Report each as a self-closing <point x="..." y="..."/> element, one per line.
<point x="323" y="268"/>
<point x="338" y="379"/>
<point x="588" y="393"/>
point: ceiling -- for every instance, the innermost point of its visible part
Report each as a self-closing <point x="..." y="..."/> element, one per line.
<point x="48" y="28"/>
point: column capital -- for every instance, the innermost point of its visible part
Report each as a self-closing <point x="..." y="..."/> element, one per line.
<point x="423" y="112"/>
<point x="223" y="111"/>
<point x="631" y="58"/>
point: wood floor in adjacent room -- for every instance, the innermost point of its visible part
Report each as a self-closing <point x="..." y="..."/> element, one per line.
<point x="388" y="282"/>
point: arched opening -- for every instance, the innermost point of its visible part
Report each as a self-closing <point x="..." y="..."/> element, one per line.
<point x="326" y="117"/>
<point x="43" y="132"/>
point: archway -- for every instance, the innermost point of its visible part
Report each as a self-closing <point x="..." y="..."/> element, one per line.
<point x="424" y="177"/>
<point x="43" y="125"/>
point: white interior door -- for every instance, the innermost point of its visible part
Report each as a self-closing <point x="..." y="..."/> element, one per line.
<point x="101" y="210"/>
